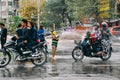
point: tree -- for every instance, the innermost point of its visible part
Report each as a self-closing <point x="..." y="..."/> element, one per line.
<point x="15" y="21"/>
<point x="55" y="12"/>
<point x="79" y="9"/>
<point x="28" y="9"/>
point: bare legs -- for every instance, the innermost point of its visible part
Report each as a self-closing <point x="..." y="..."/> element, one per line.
<point x="53" y="51"/>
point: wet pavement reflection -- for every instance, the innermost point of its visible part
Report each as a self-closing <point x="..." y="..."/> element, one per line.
<point x="62" y="67"/>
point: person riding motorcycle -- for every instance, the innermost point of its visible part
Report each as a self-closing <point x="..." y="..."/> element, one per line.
<point x="105" y="36"/>
<point x="96" y="37"/>
<point x="19" y="32"/>
<point x="105" y="30"/>
<point x="41" y="34"/>
<point x="34" y="38"/>
<point x="97" y="32"/>
<point x="25" y="39"/>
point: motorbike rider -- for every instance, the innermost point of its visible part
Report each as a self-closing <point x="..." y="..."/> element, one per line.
<point x="96" y="36"/>
<point x="34" y="38"/>
<point x="41" y="34"/>
<point x="97" y="32"/>
<point x="25" y="39"/>
<point x="19" y="32"/>
<point x="105" y="36"/>
<point x="105" y="30"/>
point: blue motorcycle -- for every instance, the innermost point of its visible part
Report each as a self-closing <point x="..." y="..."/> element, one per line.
<point x="90" y="48"/>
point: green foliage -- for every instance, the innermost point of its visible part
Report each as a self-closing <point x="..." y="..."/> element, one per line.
<point x="15" y="21"/>
<point x="82" y="8"/>
<point x="28" y="9"/>
<point x="55" y="12"/>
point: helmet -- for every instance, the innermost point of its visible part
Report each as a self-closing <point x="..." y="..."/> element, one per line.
<point x="88" y="34"/>
<point x="96" y="24"/>
<point x="104" y="24"/>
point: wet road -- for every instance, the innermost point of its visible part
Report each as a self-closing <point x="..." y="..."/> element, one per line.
<point x="65" y="68"/>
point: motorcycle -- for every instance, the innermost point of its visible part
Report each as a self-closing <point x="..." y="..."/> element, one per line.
<point x="9" y="51"/>
<point x="90" y="47"/>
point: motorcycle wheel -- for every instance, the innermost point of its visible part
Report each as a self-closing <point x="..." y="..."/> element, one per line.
<point x="107" y="55"/>
<point x="40" y="60"/>
<point x="5" y="58"/>
<point x="77" y="54"/>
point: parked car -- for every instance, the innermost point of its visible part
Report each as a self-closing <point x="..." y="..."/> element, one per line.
<point x="115" y="30"/>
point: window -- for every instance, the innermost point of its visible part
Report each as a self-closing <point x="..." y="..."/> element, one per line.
<point x="9" y="3"/>
<point x="4" y="13"/>
<point x="3" y="3"/>
<point x="116" y="29"/>
<point x="10" y="13"/>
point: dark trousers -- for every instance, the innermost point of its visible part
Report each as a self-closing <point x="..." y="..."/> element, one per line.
<point x="19" y="46"/>
<point x="2" y="43"/>
<point x="30" y="46"/>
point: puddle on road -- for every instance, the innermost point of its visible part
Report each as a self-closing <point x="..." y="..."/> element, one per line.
<point x="62" y="67"/>
<point x="98" y="67"/>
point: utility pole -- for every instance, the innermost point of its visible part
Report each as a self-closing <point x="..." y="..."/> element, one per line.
<point x="0" y="9"/>
<point x="7" y="9"/>
<point x="38" y="14"/>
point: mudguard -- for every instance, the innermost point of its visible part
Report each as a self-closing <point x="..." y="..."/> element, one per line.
<point x="111" y="49"/>
<point x="79" y="46"/>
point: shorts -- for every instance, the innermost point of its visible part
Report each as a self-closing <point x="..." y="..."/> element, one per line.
<point x="54" y="44"/>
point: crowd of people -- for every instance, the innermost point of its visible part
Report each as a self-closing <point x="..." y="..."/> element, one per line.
<point x="28" y="36"/>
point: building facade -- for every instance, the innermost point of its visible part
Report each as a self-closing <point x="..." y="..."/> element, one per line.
<point x="8" y="8"/>
<point x="0" y="9"/>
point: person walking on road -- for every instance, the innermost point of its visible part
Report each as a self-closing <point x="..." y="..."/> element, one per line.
<point x="3" y="34"/>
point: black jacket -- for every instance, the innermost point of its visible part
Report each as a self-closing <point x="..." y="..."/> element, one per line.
<point x="26" y="35"/>
<point x="19" y="33"/>
<point x="33" y="34"/>
<point x="3" y="34"/>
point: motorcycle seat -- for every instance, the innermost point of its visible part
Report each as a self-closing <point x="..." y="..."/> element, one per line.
<point x="39" y="45"/>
